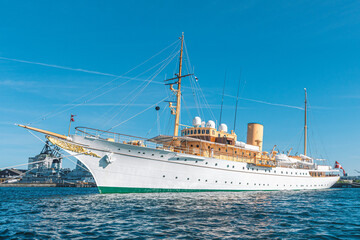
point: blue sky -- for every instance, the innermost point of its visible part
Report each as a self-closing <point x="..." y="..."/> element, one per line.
<point x="280" y="48"/>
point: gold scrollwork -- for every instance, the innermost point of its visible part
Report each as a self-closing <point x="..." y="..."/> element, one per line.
<point x="71" y="147"/>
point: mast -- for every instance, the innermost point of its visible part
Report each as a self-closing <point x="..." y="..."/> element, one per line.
<point x="178" y="91"/>
<point x="305" y="126"/>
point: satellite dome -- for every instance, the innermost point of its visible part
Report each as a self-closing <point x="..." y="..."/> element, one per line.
<point x="196" y="122"/>
<point x="223" y="127"/>
<point x="210" y="124"/>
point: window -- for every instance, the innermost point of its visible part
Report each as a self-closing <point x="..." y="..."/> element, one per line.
<point x="191" y="131"/>
<point x="188" y="131"/>
<point x="199" y="131"/>
<point x="197" y="146"/>
<point x="207" y="131"/>
<point x="219" y="135"/>
<point x="202" y="131"/>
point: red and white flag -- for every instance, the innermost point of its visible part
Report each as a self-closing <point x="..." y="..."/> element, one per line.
<point x="338" y="165"/>
<point x="72" y="118"/>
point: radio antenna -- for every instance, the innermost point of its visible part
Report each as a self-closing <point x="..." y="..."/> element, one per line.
<point x="237" y="100"/>
<point x="222" y="99"/>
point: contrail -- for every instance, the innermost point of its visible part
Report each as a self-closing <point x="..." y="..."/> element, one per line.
<point x="60" y="67"/>
<point x="136" y="79"/>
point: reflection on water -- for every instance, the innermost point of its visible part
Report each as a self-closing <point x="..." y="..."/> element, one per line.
<point x="82" y="213"/>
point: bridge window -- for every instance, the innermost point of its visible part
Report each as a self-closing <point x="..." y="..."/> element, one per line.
<point x="207" y="131"/>
<point x="191" y="131"/>
<point x="202" y="131"/>
<point x="199" y="131"/>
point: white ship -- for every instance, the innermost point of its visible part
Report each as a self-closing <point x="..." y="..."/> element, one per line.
<point x="201" y="158"/>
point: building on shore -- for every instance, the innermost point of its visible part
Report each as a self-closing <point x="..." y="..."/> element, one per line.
<point x="11" y="175"/>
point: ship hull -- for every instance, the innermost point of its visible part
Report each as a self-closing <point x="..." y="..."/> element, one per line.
<point x="125" y="168"/>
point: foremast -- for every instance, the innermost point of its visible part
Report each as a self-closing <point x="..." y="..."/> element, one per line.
<point x="178" y="91"/>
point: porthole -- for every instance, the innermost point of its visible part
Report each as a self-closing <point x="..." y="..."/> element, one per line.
<point x="243" y="168"/>
<point x="230" y="182"/>
<point x="239" y="182"/>
<point x="163" y="175"/>
<point x="216" y="181"/>
<point x="197" y="146"/>
<point x="175" y="177"/>
<point x="206" y="162"/>
<point x="225" y="181"/>
<point x="143" y="152"/>
<point x="215" y="164"/>
<point x="195" y="161"/>
<point x="152" y="154"/>
<point x="227" y="166"/>
<point x="205" y="180"/>
<point x="233" y="167"/>
<point x="247" y="184"/>
<point x="199" y="180"/>
<point x="188" y="178"/>
<point x="162" y="156"/>
<point x="119" y="149"/>
<point x="129" y="150"/>
<point x="139" y="152"/>
<point x="177" y="158"/>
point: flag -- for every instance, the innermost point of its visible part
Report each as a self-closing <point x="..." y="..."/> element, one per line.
<point x="338" y="165"/>
<point x="196" y="79"/>
<point x="72" y="118"/>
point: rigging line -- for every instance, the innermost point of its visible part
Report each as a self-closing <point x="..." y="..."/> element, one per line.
<point x="199" y="88"/>
<point x="185" y="106"/>
<point x="137" y="114"/>
<point x="117" y="77"/>
<point x="84" y="70"/>
<point x="111" y="109"/>
<point x="155" y="122"/>
<point x="155" y="74"/>
<point x="58" y="151"/>
<point x="205" y="101"/>
<point x="99" y="95"/>
<point x="193" y="90"/>
<point x="222" y="98"/>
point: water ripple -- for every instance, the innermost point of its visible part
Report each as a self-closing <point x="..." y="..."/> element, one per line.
<point x="63" y="213"/>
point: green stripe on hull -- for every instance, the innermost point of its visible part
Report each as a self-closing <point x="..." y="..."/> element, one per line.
<point x="155" y="190"/>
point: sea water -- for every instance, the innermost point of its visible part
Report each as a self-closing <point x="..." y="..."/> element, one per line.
<point x="82" y="213"/>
